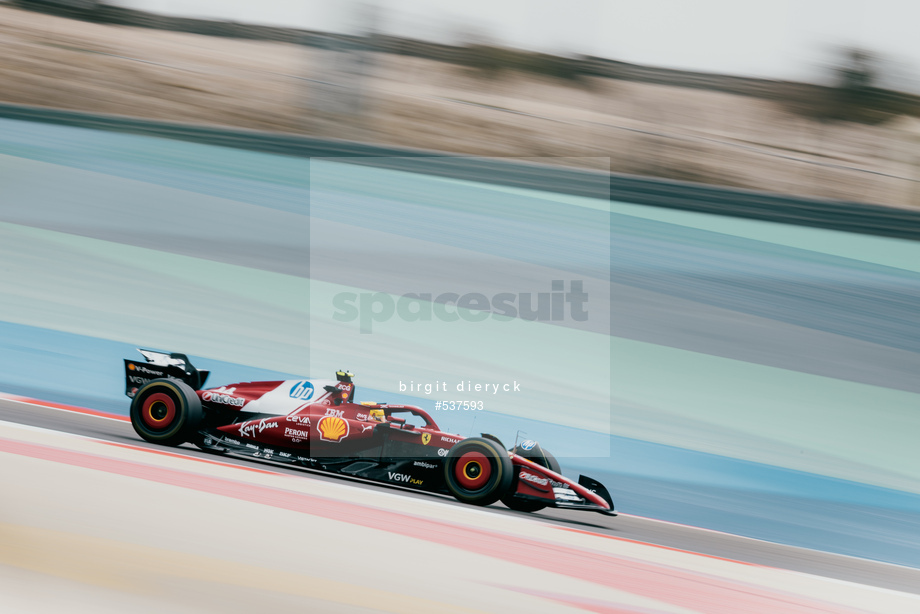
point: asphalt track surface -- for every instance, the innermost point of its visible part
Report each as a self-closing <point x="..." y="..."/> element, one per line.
<point x="634" y="528"/>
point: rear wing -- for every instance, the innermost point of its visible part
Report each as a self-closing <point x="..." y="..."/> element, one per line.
<point x="162" y="365"/>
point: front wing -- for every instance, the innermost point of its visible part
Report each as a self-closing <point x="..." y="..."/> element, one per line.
<point x="537" y="483"/>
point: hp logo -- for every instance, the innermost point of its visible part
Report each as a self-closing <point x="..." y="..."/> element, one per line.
<point x="302" y="390"/>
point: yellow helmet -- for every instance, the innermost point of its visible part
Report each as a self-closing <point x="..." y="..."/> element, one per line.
<point x="377" y="415"/>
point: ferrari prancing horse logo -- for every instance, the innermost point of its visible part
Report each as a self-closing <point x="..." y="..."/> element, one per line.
<point x="426" y="437"/>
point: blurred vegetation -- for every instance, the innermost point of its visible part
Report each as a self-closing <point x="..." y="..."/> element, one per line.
<point x="490" y="61"/>
<point x="855" y="95"/>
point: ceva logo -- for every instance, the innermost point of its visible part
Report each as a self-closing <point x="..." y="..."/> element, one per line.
<point x="302" y="390"/>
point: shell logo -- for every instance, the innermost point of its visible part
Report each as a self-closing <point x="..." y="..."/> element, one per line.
<point x="332" y="428"/>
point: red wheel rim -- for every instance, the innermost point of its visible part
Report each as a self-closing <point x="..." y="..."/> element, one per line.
<point x="158" y="411"/>
<point x="473" y="470"/>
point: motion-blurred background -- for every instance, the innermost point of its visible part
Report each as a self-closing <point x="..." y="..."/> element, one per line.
<point x="739" y="374"/>
<point x="809" y="98"/>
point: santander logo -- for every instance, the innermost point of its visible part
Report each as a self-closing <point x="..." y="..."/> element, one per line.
<point x="524" y="475"/>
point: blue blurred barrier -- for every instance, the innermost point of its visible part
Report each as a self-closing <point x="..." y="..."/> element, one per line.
<point x="830" y="214"/>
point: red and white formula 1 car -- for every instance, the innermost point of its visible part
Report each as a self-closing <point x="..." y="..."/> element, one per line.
<point x="317" y="424"/>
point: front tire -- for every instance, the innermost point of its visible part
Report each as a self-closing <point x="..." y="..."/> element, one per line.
<point x="166" y="412"/>
<point x="478" y="471"/>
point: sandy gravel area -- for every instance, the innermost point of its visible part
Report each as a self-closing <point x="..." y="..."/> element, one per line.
<point x="663" y="131"/>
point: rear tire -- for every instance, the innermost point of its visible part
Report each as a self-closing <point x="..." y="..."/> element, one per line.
<point x="540" y="457"/>
<point x="478" y="471"/>
<point x="166" y="412"/>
